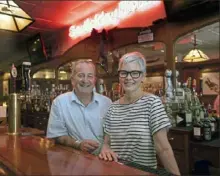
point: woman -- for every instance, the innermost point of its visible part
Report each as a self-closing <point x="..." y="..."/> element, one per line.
<point x="136" y="125"/>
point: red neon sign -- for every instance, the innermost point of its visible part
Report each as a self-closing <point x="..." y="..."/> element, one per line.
<point x="109" y="20"/>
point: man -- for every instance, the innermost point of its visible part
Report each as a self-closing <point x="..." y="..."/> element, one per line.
<point x="76" y="117"/>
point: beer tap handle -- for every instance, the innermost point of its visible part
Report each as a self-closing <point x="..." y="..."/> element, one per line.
<point x="26" y="75"/>
<point x="27" y="80"/>
<point x="13" y="78"/>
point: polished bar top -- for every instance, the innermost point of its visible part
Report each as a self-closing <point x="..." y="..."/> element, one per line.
<point x="24" y="131"/>
<point x="35" y="155"/>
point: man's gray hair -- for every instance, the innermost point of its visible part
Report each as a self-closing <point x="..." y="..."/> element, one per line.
<point x="133" y="57"/>
<point x="75" y="63"/>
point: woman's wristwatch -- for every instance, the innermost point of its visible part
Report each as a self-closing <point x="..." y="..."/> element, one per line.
<point x="77" y="144"/>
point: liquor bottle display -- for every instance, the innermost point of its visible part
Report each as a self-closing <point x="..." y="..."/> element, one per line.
<point x="40" y="99"/>
<point x="189" y="111"/>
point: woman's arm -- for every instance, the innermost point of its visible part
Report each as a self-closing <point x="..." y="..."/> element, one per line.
<point x="165" y="151"/>
<point x="106" y="153"/>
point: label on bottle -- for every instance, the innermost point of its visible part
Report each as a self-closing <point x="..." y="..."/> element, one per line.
<point x="180" y="94"/>
<point x="188" y="118"/>
<point x="212" y="126"/>
<point x="197" y="131"/>
<point x="207" y="134"/>
<point x="201" y="114"/>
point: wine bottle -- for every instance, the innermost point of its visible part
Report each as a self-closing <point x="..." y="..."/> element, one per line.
<point x="213" y="123"/>
<point x="188" y="115"/>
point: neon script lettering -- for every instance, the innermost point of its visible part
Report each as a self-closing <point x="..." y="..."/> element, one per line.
<point x="111" y="19"/>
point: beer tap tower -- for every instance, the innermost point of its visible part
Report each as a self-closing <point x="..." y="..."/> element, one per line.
<point x="14" y="117"/>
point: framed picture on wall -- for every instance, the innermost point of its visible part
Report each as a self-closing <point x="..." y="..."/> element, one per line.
<point x="210" y="83"/>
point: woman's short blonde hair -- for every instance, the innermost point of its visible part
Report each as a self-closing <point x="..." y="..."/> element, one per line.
<point x="133" y="57"/>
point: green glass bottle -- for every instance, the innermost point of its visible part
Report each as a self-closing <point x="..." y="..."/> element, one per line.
<point x="207" y="130"/>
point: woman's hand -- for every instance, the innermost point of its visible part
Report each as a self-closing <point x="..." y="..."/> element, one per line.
<point x="107" y="154"/>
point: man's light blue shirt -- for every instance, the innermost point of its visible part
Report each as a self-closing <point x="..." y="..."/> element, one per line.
<point x="70" y="117"/>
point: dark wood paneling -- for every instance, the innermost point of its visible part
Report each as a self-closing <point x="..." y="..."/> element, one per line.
<point x="206" y="152"/>
<point x="36" y="120"/>
<point x="179" y="139"/>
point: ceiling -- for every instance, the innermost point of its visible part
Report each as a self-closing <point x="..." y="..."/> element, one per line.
<point x="50" y="17"/>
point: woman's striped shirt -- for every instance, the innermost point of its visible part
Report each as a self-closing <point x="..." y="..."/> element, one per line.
<point x="131" y="128"/>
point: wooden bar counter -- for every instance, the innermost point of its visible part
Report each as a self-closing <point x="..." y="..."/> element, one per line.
<point x="29" y="154"/>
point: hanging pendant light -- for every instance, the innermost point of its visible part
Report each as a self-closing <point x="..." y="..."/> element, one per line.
<point x="12" y="17"/>
<point x="195" y="55"/>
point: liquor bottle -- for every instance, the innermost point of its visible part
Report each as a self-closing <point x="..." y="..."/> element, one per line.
<point x="188" y="93"/>
<point x="201" y="87"/>
<point x="180" y="93"/>
<point x="28" y="102"/>
<point x="53" y="93"/>
<point x="189" y="83"/>
<point x="36" y="105"/>
<point x="198" y="130"/>
<point x="213" y="123"/>
<point x="194" y="85"/>
<point x="209" y="110"/>
<point x="188" y="115"/>
<point x="46" y="101"/>
<point x="202" y="112"/>
<point x="216" y="121"/>
<point x="207" y="130"/>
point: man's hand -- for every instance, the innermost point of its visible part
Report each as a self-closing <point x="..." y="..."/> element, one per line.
<point x="107" y="154"/>
<point x="88" y="145"/>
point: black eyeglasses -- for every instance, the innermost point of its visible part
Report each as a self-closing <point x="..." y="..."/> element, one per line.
<point x="133" y="74"/>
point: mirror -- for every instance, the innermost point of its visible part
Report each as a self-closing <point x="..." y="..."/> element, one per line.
<point x="44" y="74"/>
<point x="197" y="58"/>
<point x="64" y="71"/>
<point x="43" y="79"/>
<point x="205" y="39"/>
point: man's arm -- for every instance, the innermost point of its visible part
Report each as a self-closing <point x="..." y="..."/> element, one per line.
<point x="165" y="151"/>
<point x="67" y="141"/>
<point x="57" y="127"/>
<point x="86" y="145"/>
